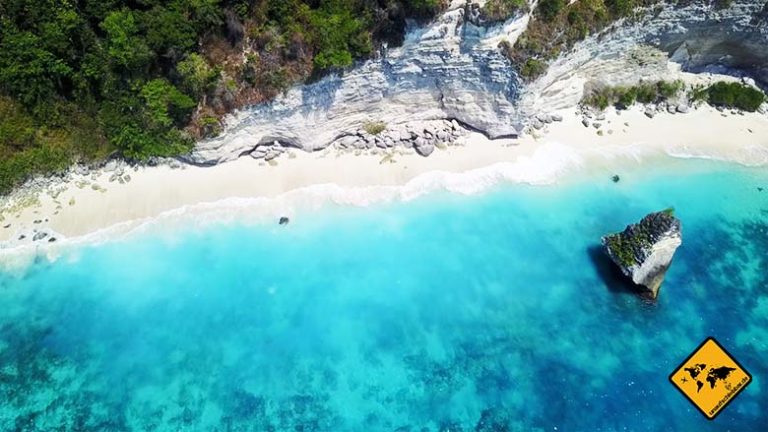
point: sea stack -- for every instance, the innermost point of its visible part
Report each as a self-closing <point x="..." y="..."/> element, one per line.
<point x="644" y="250"/>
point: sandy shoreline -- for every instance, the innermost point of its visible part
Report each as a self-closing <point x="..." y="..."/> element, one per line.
<point x="541" y="157"/>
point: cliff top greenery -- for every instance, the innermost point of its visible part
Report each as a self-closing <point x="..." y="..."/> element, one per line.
<point x="500" y="10"/>
<point x="83" y="80"/>
<point x="637" y="239"/>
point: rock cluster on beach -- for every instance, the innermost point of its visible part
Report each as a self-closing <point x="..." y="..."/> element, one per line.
<point x="35" y="236"/>
<point x="644" y="251"/>
<point x="540" y="120"/>
<point x="423" y="137"/>
<point x="117" y="170"/>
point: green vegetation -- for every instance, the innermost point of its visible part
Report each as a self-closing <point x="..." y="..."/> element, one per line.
<point x="622" y="248"/>
<point x="81" y="80"/>
<point x="728" y="95"/>
<point x="669" y="89"/>
<point x="735" y="95"/>
<point x="500" y="10"/>
<point x="624" y="97"/>
<point x="374" y="127"/>
<point x="533" y="68"/>
<point x="636" y="238"/>
<point x="548" y="10"/>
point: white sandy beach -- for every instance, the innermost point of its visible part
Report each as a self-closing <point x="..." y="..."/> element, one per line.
<point x="541" y="157"/>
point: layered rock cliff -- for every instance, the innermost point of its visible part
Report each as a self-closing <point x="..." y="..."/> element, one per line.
<point x="695" y="36"/>
<point x="452" y="71"/>
<point x="644" y="251"/>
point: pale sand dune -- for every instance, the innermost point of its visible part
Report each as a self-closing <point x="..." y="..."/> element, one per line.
<point x="534" y="159"/>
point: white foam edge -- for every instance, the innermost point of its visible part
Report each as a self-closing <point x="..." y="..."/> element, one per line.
<point x="545" y="166"/>
<point x="549" y="163"/>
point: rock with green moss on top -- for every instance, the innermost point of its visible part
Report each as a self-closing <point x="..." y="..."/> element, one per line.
<point x="644" y="251"/>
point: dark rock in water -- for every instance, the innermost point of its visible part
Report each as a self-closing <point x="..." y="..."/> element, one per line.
<point x="644" y="251"/>
<point x="39" y="236"/>
<point x="52" y="239"/>
<point x="616" y="178"/>
<point x="22" y="237"/>
<point x="284" y="220"/>
<point x="759" y="189"/>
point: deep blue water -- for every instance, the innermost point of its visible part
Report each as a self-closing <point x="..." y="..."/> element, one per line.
<point x="493" y="312"/>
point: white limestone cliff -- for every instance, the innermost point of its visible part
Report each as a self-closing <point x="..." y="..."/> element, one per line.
<point x="448" y="70"/>
<point x="451" y="72"/>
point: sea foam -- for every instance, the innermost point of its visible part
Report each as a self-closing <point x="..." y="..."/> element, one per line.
<point x="550" y="163"/>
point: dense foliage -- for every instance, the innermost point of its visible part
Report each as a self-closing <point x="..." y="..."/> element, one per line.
<point x="499" y="10"/>
<point x="83" y="79"/>
<point x="734" y="95"/>
<point x="725" y="94"/>
<point x="624" y="97"/>
<point x="627" y="245"/>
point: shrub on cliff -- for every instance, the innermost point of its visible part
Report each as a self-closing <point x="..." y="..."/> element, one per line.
<point x="500" y="10"/>
<point x="533" y="68"/>
<point x="725" y="94"/>
<point x="624" y="97"/>
<point x="340" y="37"/>
<point x="374" y="127"/>
<point x="422" y="8"/>
<point x="735" y="95"/>
<point x="548" y="10"/>
<point x="27" y="146"/>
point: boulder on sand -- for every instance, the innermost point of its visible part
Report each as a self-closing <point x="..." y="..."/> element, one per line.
<point x="424" y="146"/>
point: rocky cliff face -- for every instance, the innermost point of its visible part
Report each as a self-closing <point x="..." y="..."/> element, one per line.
<point x="644" y="251"/>
<point x="697" y="37"/>
<point x="452" y="72"/>
<point x="701" y="36"/>
<point x="449" y="70"/>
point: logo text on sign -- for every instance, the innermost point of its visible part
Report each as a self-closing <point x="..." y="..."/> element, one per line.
<point x="710" y="378"/>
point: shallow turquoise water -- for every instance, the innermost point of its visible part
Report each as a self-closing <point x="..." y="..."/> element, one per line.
<point x="492" y="312"/>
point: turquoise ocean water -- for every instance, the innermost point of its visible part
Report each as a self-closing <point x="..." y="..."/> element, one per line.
<point x="491" y="312"/>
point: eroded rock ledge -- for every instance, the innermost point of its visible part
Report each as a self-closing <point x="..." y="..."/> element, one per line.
<point x="453" y="69"/>
<point x="644" y="251"/>
<point x="697" y="36"/>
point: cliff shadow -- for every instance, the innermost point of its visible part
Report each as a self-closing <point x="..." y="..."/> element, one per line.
<point x="610" y="274"/>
